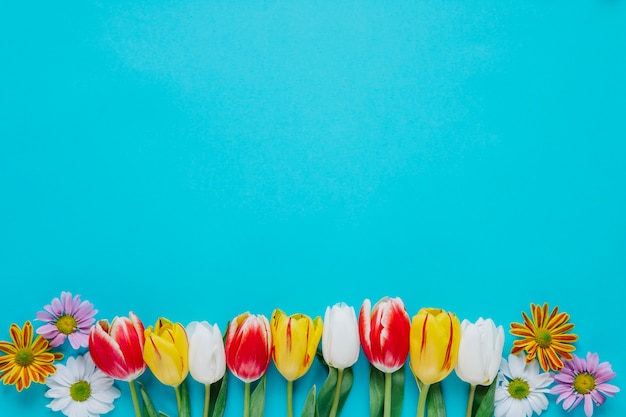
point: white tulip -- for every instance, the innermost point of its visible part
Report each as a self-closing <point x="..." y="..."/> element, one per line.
<point x="340" y="337"/>
<point x="480" y="351"/>
<point x="207" y="357"/>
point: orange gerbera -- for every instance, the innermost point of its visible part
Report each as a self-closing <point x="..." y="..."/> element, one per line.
<point x="26" y="361"/>
<point x="545" y="337"/>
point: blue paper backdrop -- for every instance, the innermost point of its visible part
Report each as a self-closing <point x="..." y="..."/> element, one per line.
<point x="199" y="159"/>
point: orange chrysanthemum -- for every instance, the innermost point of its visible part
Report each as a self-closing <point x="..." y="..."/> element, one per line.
<point x="25" y="360"/>
<point x="545" y="337"/>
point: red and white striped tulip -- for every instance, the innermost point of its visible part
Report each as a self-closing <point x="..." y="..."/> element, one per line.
<point x="117" y="348"/>
<point x="248" y="346"/>
<point x="384" y="332"/>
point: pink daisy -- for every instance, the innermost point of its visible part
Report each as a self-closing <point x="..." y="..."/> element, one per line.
<point x="67" y="318"/>
<point x="586" y="380"/>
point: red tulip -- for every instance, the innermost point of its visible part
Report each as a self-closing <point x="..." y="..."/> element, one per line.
<point x="384" y="332"/>
<point x="248" y="346"/>
<point x="117" y="349"/>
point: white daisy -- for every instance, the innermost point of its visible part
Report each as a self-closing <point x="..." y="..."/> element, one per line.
<point x="521" y="388"/>
<point x="79" y="389"/>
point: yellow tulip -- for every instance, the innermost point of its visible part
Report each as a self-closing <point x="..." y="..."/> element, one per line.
<point x="434" y="349"/>
<point x="434" y="344"/>
<point x="166" y="352"/>
<point x="295" y="339"/>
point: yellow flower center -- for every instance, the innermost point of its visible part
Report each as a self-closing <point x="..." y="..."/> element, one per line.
<point x="80" y="391"/>
<point x="543" y="338"/>
<point x="24" y="357"/>
<point x="584" y="383"/>
<point x="66" y="324"/>
<point x="519" y="389"/>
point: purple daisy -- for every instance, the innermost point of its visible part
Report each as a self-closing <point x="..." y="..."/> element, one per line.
<point x="67" y="317"/>
<point x="586" y="380"/>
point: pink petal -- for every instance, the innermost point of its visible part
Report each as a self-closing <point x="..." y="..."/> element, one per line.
<point x="597" y="397"/>
<point x="579" y="364"/>
<point x="560" y="389"/>
<point x="607" y="389"/>
<point x="45" y="316"/>
<point x="564" y="378"/>
<point x="592" y="362"/>
<point x="588" y="406"/>
<point x="55" y="307"/>
<point x="58" y="340"/>
<point x="78" y="340"/>
<point x="48" y="331"/>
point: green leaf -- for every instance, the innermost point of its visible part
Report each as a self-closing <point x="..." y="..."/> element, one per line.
<point x="218" y="402"/>
<point x="162" y="414"/>
<point x="377" y="392"/>
<point x="346" y="386"/>
<point x="435" y="406"/>
<point x="484" y="398"/>
<point x="257" y="399"/>
<point x="310" y="405"/>
<point x="185" y="406"/>
<point x="326" y="395"/>
<point x="148" y="406"/>
<point x="397" y="392"/>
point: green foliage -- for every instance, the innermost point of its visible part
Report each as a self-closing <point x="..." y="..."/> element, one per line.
<point x="377" y="392"/>
<point x="148" y="406"/>
<point x="435" y="406"/>
<point x="310" y="404"/>
<point x="484" y="399"/>
<point x="218" y="395"/>
<point x="328" y="391"/>
<point x="257" y="399"/>
<point x="185" y="405"/>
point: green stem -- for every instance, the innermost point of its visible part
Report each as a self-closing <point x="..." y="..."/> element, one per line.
<point x="421" y="403"/>
<point x="387" y="403"/>
<point x="335" y="406"/>
<point x="246" y="399"/>
<point x="289" y="398"/>
<point x="470" y="401"/>
<point x="133" y="394"/>
<point x="207" y="398"/>
<point x="177" y="392"/>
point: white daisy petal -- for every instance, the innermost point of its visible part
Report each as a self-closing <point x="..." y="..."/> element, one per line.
<point x="534" y="402"/>
<point x="82" y="368"/>
<point x="97" y="407"/>
<point x="60" y="403"/>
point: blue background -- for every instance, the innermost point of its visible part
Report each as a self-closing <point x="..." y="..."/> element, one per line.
<point x="199" y="159"/>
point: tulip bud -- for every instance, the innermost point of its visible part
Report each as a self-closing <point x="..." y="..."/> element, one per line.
<point x="435" y="337"/>
<point x="166" y="352"/>
<point x="207" y="358"/>
<point x="248" y="346"/>
<point x="384" y="333"/>
<point x="294" y="342"/>
<point x="340" y="337"/>
<point x="480" y="351"/>
<point x="117" y="348"/>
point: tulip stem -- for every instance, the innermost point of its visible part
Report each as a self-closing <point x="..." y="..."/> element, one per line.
<point x="177" y="392"/>
<point x="207" y="398"/>
<point x="470" y="400"/>
<point x="133" y="394"/>
<point x="246" y="399"/>
<point x="421" y="403"/>
<point x="335" y="406"/>
<point x="289" y="398"/>
<point x="387" y="403"/>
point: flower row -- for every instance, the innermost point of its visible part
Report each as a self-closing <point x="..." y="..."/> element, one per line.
<point x="434" y="341"/>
